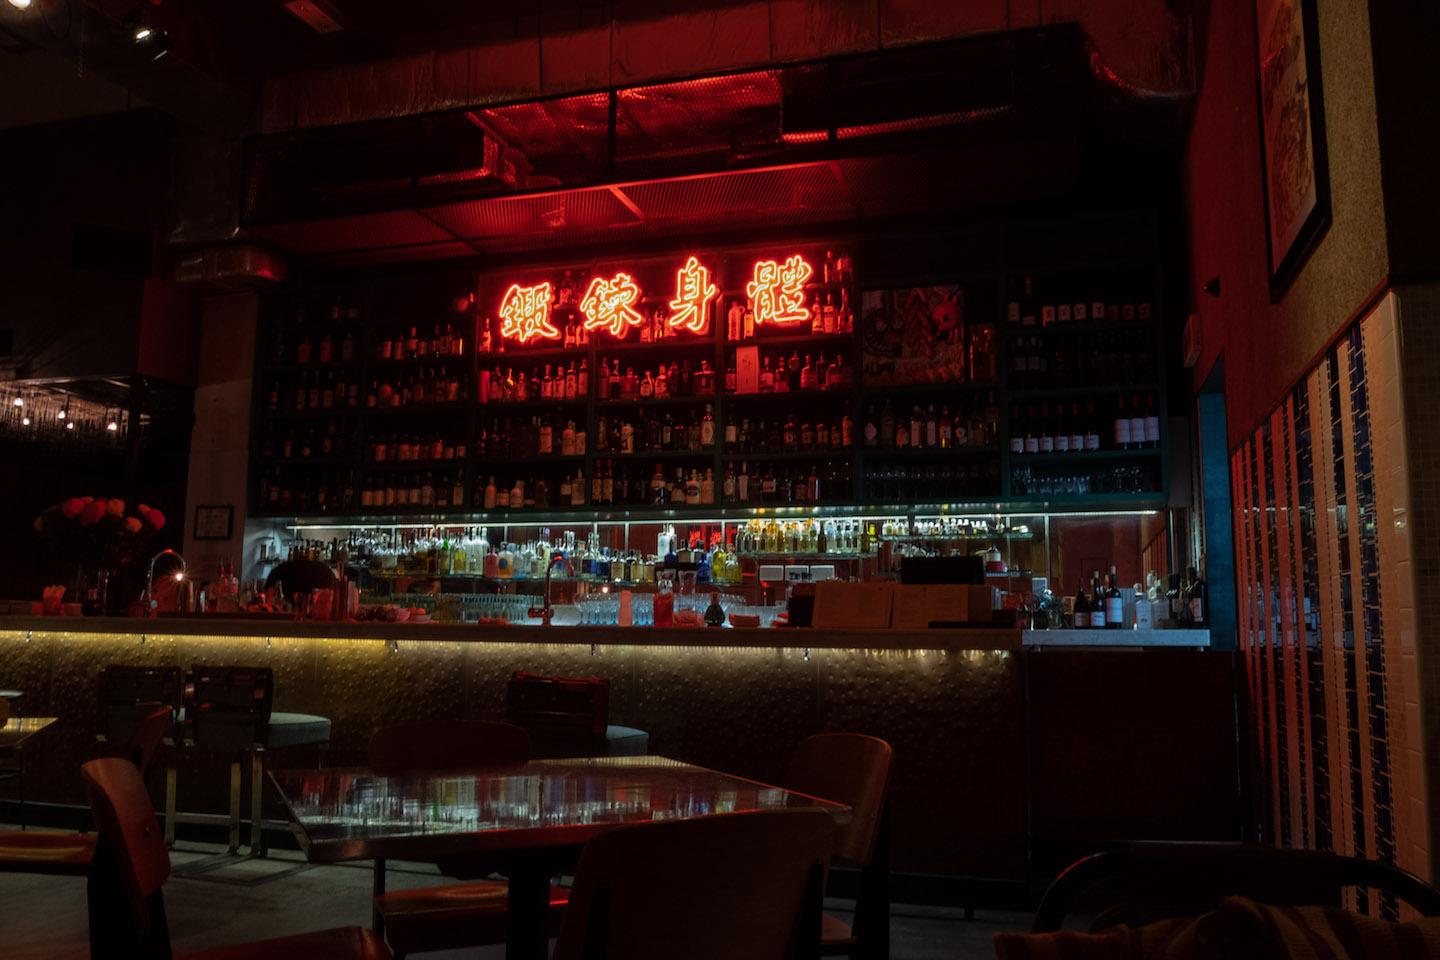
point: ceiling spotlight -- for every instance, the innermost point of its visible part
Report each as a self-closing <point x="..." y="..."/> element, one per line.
<point x="24" y="421"/>
<point x="19" y="4"/>
<point x="112" y="426"/>
<point x="18" y="402"/>
<point x="60" y="415"/>
<point x="70" y="425"/>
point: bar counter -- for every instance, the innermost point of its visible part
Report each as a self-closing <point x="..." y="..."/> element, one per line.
<point x="974" y="716"/>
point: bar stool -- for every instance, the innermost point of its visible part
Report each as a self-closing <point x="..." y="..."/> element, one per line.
<point x="128" y="694"/>
<point x="569" y="717"/>
<point x="855" y="770"/>
<point x="229" y="709"/>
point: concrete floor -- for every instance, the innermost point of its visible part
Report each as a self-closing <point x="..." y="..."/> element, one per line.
<point x="214" y="900"/>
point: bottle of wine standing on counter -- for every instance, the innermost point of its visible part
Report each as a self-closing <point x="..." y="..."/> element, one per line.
<point x="1114" y="604"/>
<point x="1082" y="607"/>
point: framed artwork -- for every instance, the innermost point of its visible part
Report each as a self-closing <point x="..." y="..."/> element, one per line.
<point x="1292" y="136"/>
<point x="915" y="335"/>
<point x="214" y="522"/>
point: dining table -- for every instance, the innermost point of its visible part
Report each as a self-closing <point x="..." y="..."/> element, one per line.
<point x="527" y="822"/>
<point x="14" y="734"/>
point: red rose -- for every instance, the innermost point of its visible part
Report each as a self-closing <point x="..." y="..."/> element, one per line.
<point x="93" y="511"/>
<point x="156" y="518"/>
<point x="72" y="507"/>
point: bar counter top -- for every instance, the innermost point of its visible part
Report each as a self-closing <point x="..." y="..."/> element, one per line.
<point x="992" y="639"/>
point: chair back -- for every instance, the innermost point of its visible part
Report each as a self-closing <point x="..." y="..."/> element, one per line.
<point x="1161" y="880"/>
<point x="565" y="716"/>
<point x="131" y="837"/>
<point x="714" y="888"/>
<point x="151" y="729"/>
<point x="848" y="768"/>
<point x="128" y="694"/>
<point x="228" y="708"/>
<point x="446" y="745"/>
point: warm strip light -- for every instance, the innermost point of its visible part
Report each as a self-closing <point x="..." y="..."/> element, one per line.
<point x="777" y="291"/>
<point x="694" y="293"/>
<point x="609" y="304"/>
<point x="526" y="313"/>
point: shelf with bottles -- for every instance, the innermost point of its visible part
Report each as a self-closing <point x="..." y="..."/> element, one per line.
<point x="1092" y="298"/>
<point x="321" y="491"/>
<point x="887" y="426"/>
<point x="784" y="337"/>
<point x="873" y="454"/>
<point x="544" y="435"/>
<point x="428" y="386"/>
<point x="674" y="342"/>
<point x="531" y="486"/>
<point x="761" y="481"/>
<point x="412" y="344"/>
<point x="545" y="383"/>
<point x="1072" y="456"/>
<point x="792" y="456"/>
<point x="936" y="389"/>
<point x="1093" y="390"/>
<point x="636" y="431"/>
<point x="1043" y="428"/>
<point x="686" y="379"/>
<point x="922" y="483"/>
<point x="415" y="491"/>
<point x="455" y="408"/>
<point x="1053" y="479"/>
<point x="304" y="461"/>
<point x="300" y="416"/>
<point x="306" y="444"/>
<point x="310" y="391"/>
<point x="803" y="436"/>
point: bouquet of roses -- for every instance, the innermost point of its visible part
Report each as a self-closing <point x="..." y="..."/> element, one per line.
<point x="97" y="532"/>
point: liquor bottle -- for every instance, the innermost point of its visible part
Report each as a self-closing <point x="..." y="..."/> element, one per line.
<point x="1017" y="436"/>
<point x="1152" y="423"/>
<point x="1122" y="425"/>
<point x="1114" y="604"/>
<point x="1097" y="605"/>
<point x="1032" y="442"/>
<point x="1196" y="598"/>
<point x="1082" y="607"/>
<point x="1137" y="424"/>
<point x="1027" y="304"/>
<point x="1047" y="431"/>
<point x="1092" y="430"/>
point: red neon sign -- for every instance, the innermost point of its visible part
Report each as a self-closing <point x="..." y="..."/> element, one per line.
<point x="778" y="290"/>
<point x="693" y="295"/>
<point x="609" y="303"/>
<point x="526" y="312"/>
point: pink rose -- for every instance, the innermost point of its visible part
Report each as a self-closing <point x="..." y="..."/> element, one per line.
<point x="132" y="524"/>
<point x="115" y="507"/>
<point x="72" y="507"/>
<point x="156" y="518"/>
<point x="93" y="511"/>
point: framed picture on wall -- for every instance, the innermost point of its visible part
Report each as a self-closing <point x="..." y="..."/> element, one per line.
<point x="1292" y="136"/>
<point x="214" y="522"/>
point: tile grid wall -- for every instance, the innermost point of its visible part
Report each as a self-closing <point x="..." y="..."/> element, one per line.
<point x="1327" y="616"/>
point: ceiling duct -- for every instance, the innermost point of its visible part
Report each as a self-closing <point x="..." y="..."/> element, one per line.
<point x="229" y="267"/>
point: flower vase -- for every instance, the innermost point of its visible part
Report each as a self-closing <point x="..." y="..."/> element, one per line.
<point x="95" y="598"/>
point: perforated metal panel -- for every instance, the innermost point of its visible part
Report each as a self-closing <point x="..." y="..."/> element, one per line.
<point x="364" y="231"/>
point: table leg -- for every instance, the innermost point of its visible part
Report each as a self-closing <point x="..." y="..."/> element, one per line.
<point x="527" y="919"/>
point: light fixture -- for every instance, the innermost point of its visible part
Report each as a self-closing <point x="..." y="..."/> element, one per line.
<point x="24" y="421"/>
<point x="112" y="426"/>
<point x="149" y="40"/>
<point x="20" y="4"/>
<point x="70" y="425"/>
<point x="61" y="414"/>
<point x="19" y="402"/>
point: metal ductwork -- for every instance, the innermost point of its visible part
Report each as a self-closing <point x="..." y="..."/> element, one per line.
<point x="229" y="267"/>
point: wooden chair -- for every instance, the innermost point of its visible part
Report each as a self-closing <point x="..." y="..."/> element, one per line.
<point x="714" y="888"/>
<point x="69" y="854"/>
<point x="127" y="909"/>
<point x="855" y="770"/>
<point x="1158" y="881"/>
<point x="449" y="916"/>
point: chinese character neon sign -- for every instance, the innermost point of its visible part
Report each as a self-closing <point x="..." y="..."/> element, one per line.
<point x="526" y="313"/>
<point x="693" y="295"/>
<point x="777" y="290"/>
<point x="610" y="303"/>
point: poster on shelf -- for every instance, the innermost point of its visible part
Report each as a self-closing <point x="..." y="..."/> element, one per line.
<point x="913" y="335"/>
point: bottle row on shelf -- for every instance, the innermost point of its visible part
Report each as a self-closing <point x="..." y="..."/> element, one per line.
<point x="312" y="443"/>
<point x="925" y="429"/>
<point x="1132" y="424"/>
<point x="421" y="489"/>
<point x="522" y="437"/>
<point x="405" y="448"/>
<point x="324" y="491"/>
<point x="779" y="374"/>
<point x="1113" y="358"/>
<point x="827" y="315"/>
<point x="931" y="482"/>
<point x="678" y="379"/>
<point x="790" y="434"/>
<point x="497" y="385"/>
<point x="1027" y="305"/>
<point x="771" y="483"/>
<point x="439" y="344"/>
<point x="312" y="391"/>
<point x="607" y="486"/>
<point x="1132" y="478"/>
<point x="430" y="385"/>
<point x="342" y="308"/>
<point x="658" y="431"/>
<point x="304" y="350"/>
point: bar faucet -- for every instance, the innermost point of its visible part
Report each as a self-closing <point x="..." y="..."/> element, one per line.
<point x="149" y="598"/>
<point x="547" y="612"/>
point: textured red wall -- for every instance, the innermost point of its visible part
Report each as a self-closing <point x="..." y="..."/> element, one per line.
<point x="1268" y="346"/>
